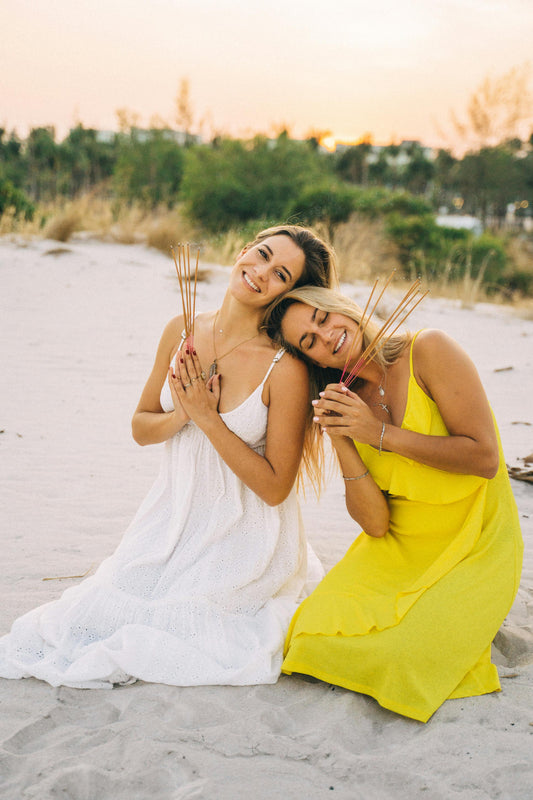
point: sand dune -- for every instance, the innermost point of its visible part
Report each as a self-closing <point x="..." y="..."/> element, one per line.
<point x="80" y="324"/>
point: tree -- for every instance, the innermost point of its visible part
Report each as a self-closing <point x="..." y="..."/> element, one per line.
<point x="499" y="110"/>
<point x="184" y="112"/>
<point x="238" y="181"/>
<point x="489" y="180"/>
<point x="149" y="170"/>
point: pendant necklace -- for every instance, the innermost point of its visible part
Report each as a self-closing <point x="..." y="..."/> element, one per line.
<point x="381" y="390"/>
<point x="213" y="367"/>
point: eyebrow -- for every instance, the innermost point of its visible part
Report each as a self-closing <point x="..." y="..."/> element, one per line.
<point x="267" y="247"/>
<point x="305" y="335"/>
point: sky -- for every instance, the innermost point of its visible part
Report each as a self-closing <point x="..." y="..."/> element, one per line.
<point x="394" y="69"/>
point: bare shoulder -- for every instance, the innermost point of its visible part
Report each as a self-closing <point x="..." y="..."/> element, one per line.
<point x="432" y="343"/>
<point x="290" y="368"/>
<point x="440" y="363"/>
<point x="170" y="338"/>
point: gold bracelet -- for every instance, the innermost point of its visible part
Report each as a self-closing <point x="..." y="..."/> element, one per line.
<point x="357" y="477"/>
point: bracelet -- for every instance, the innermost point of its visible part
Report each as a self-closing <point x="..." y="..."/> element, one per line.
<point x="357" y="477"/>
<point x="381" y="437"/>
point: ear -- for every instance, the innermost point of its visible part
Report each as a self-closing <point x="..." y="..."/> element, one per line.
<point x="243" y="251"/>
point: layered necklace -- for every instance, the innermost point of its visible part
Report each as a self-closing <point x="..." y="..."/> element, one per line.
<point x="213" y="367"/>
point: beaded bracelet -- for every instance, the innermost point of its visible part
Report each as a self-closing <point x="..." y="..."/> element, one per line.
<point x="357" y="477"/>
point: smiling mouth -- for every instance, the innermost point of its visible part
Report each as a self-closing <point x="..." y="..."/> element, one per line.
<point x="250" y="283"/>
<point x="339" y="343"/>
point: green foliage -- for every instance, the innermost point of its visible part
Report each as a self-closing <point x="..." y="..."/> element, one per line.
<point x="517" y="281"/>
<point x="148" y="171"/>
<point x="423" y="245"/>
<point x="236" y="181"/>
<point x="488" y="254"/>
<point x="406" y="204"/>
<point x="418" y="238"/>
<point x="15" y="201"/>
<point x="489" y="179"/>
<point x="329" y="203"/>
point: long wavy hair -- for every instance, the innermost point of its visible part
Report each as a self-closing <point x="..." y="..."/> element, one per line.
<point x="333" y="302"/>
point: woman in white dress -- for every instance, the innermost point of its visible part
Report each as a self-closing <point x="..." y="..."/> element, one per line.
<point x="204" y="583"/>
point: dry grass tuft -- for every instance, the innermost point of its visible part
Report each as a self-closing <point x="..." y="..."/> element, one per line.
<point x="61" y="226"/>
<point x="224" y="248"/>
<point x="363" y="250"/>
<point x="169" y="228"/>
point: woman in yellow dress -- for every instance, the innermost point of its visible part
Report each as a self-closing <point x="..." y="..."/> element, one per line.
<point x="409" y="614"/>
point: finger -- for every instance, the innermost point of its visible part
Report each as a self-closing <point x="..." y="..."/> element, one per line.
<point x="183" y="372"/>
<point x="197" y="365"/>
<point x="346" y="397"/>
<point x="333" y="422"/>
<point x="189" y="363"/>
<point x="332" y="407"/>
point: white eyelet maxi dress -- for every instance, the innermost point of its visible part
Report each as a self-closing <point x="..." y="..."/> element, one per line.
<point x="200" y="590"/>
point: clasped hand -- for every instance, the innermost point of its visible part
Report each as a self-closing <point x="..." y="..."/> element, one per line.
<point x="190" y="390"/>
<point x="341" y="412"/>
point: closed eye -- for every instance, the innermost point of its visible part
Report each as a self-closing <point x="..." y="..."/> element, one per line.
<point x="307" y="342"/>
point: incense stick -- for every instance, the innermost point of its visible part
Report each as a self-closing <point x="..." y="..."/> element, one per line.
<point x="394" y="321"/>
<point x="187" y="286"/>
<point x="363" y="324"/>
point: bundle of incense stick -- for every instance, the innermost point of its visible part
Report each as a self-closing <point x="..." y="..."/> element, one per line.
<point x="394" y="321"/>
<point x="187" y="286"/>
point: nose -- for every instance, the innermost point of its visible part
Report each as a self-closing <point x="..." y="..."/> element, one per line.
<point x="325" y="332"/>
<point x="260" y="271"/>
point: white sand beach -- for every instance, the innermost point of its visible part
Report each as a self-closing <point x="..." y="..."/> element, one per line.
<point x="80" y="324"/>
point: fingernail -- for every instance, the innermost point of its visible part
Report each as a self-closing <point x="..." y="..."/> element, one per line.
<point x="181" y="361"/>
<point x="344" y="389"/>
<point x="314" y="402"/>
<point x="315" y="419"/>
<point x="173" y="375"/>
<point x="194" y="352"/>
<point x="188" y="351"/>
<point x="321" y="394"/>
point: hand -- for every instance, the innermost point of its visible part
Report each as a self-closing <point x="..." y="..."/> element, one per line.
<point x="341" y="412"/>
<point x="187" y="384"/>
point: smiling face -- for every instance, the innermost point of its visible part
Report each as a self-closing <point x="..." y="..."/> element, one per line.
<point x="324" y="337"/>
<point x="266" y="270"/>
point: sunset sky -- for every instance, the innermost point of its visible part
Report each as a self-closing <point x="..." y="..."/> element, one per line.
<point x="393" y="69"/>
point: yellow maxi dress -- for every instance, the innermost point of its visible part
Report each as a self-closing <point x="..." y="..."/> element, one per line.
<point x="409" y="618"/>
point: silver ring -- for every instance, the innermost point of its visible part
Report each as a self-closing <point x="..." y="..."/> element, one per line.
<point x="203" y="375"/>
<point x="186" y="385"/>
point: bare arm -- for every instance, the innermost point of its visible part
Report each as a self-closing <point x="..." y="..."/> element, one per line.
<point x="364" y="499"/>
<point x="150" y="424"/>
<point x="270" y="476"/>
<point x="450" y="378"/>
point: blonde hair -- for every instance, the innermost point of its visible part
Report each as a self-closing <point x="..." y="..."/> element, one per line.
<point x="332" y="302"/>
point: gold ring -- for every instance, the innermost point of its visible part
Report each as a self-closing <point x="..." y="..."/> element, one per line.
<point x="203" y="375"/>
<point x="193" y="379"/>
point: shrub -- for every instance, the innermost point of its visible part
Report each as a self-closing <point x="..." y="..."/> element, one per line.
<point x="331" y="204"/>
<point x="15" y="201"/>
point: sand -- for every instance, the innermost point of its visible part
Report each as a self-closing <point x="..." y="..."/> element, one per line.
<point x="79" y="327"/>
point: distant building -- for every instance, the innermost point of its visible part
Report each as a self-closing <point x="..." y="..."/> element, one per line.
<point x="145" y="134"/>
<point x="402" y="156"/>
<point x="460" y="222"/>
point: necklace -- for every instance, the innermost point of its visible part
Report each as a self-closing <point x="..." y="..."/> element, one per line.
<point x="381" y="390"/>
<point x="213" y="367"/>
